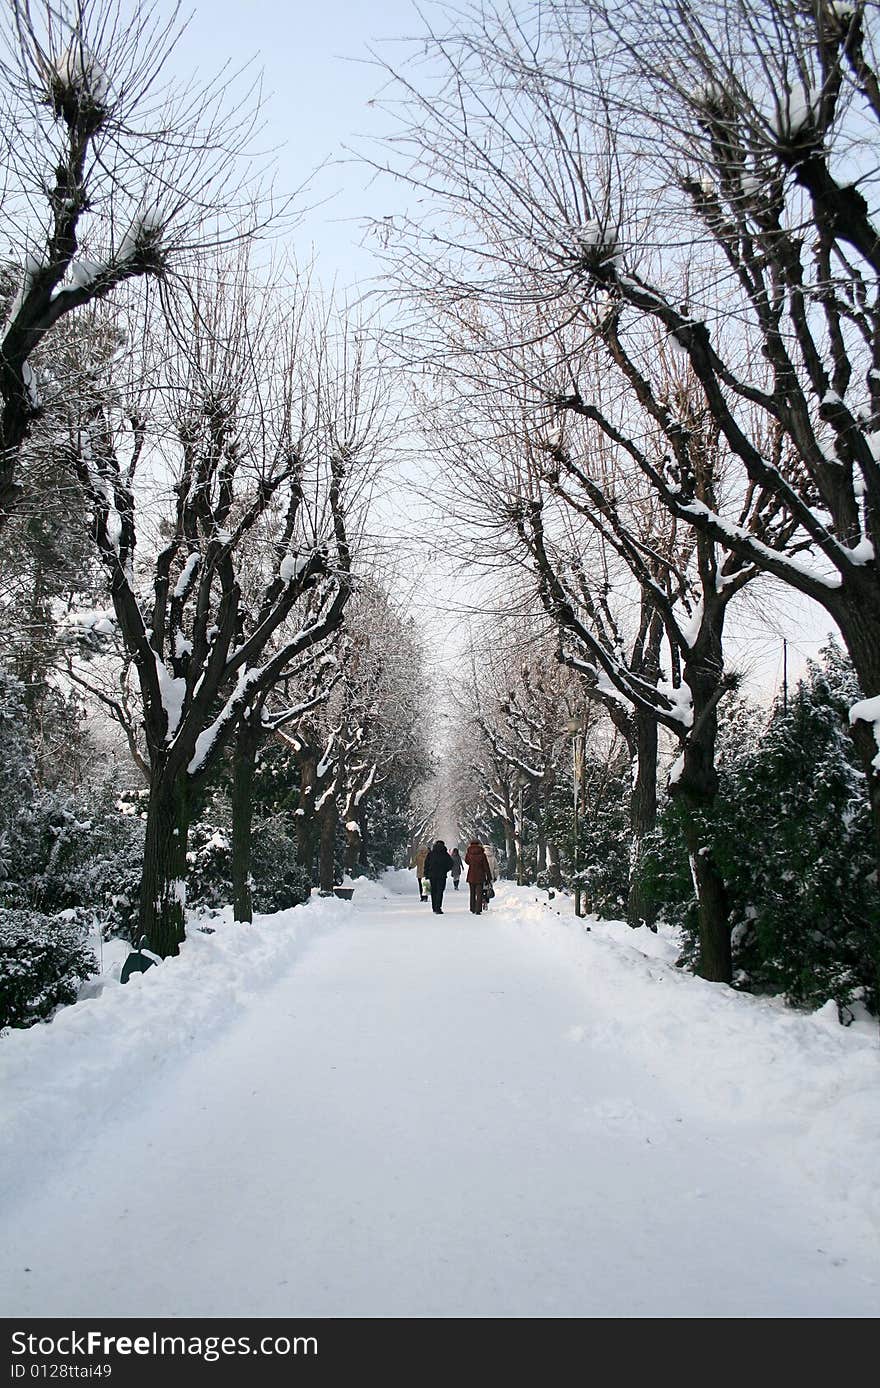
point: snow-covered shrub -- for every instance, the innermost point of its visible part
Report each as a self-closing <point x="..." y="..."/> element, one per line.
<point x="804" y="878"/>
<point x="792" y="836"/>
<point x="278" y="880"/>
<point x="605" y="837"/>
<point x="59" y="849"/>
<point x="16" y="764"/>
<point x="387" y="830"/>
<point x="666" y="872"/>
<point x="209" y="865"/>
<point x="604" y="834"/>
<point x="103" y="872"/>
<point x="70" y="853"/>
<point x="43" y="959"/>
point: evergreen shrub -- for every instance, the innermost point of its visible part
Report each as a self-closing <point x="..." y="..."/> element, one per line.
<point x="278" y="881"/>
<point x="792" y="835"/>
<point x="43" y="960"/>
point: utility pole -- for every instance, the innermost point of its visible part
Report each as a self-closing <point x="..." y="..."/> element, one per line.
<point x="577" y="733"/>
<point x="576" y="779"/>
<point x="784" y="675"/>
<point x="520" y="840"/>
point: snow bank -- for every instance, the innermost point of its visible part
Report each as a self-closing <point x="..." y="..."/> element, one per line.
<point x="797" y="1083"/>
<point x="61" y="1080"/>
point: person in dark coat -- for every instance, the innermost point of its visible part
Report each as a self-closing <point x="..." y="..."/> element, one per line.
<point x="479" y="873"/>
<point x="457" y="867"/>
<point x="437" y="864"/>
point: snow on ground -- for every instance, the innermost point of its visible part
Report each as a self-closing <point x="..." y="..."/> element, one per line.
<point x="60" y="1082"/>
<point x="364" y="1109"/>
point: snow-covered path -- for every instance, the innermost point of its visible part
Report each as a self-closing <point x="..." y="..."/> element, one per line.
<point x="460" y="1116"/>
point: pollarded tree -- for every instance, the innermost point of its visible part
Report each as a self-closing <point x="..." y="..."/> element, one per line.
<point x="704" y="173"/>
<point x="260" y="465"/>
<point x="530" y="736"/>
<point x="278" y="709"/>
<point x="512" y="746"/>
<point x="52" y="579"/>
<point x="639" y="600"/>
<point x="110" y="174"/>
<point x="368" y="737"/>
<point x="499" y="462"/>
<point x="386" y="712"/>
<point x="686" y="591"/>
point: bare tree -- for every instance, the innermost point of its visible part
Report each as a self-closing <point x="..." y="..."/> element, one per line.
<point x="265" y="439"/>
<point x="110" y="173"/>
<point x="368" y="736"/>
<point x="704" y="176"/>
<point x="512" y="745"/>
<point x="278" y="709"/>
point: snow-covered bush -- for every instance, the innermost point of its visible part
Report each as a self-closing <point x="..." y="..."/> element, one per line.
<point x="208" y="859"/>
<point x="792" y="836"/>
<point x="43" y="959"/>
<point x="604" y="834"/>
<point x="58" y="851"/>
<point x="64" y="852"/>
<point x="16" y="763"/>
<point x="278" y="880"/>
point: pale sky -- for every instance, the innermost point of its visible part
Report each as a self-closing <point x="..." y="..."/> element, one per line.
<point x="318" y="82"/>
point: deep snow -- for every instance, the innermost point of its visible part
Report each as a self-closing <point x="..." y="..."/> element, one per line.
<point x="364" y="1109"/>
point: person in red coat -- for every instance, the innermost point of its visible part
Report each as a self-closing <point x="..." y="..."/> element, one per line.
<point x="478" y="873"/>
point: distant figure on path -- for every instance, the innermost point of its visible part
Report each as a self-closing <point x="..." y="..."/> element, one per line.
<point x="492" y="860"/>
<point x="418" y="863"/>
<point x="479" y="872"/>
<point x="437" y="864"/>
<point x="457" y="867"/>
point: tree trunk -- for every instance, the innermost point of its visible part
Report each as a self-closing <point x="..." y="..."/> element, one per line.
<point x="363" y="848"/>
<point x="162" y="916"/>
<point x="509" y="849"/>
<point x="247" y="742"/>
<point x="352" y="847"/>
<point x="520" y="851"/>
<point x="304" y="818"/>
<point x="640" y="908"/>
<point x="713" y="912"/>
<point x="859" y="623"/>
<point x="327" y="846"/>
<point x="14" y="424"/>
<point x="541" y="851"/>
<point x="554" y="872"/>
<point x="695" y="792"/>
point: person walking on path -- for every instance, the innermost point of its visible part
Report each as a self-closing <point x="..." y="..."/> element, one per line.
<point x="457" y="867"/>
<point x="418" y="862"/>
<point x="437" y="864"/>
<point x="479" y="873"/>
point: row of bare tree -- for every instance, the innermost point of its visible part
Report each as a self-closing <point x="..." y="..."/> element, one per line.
<point x="215" y="427"/>
<point x="648" y="285"/>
